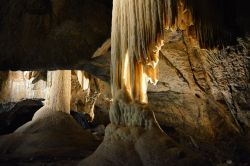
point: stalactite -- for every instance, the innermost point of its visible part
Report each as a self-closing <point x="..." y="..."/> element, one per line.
<point x="83" y="79"/>
<point x="137" y="36"/>
<point x="137" y="33"/>
<point x="137" y="30"/>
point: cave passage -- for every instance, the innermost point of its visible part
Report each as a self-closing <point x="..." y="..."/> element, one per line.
<point x="124" y="82"/>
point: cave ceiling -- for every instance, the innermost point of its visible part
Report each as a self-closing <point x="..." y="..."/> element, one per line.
<point x="53" y="34"/>
<point x="63" y="34"/>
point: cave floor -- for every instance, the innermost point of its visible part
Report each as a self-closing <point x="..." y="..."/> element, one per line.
<point x="225" y="152"/>
<point x="63" y="156"/>
<point x="55" y="138"/>
<point x="51" y="138"/>
<point x="234" y="152"/>
<point x="48" y="161"/>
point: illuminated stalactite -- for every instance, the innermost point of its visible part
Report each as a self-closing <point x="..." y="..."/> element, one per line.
<point x="136" y="39"/>
<point x="135" y="46"/>
<point x="137" y="30"/>
<point x="59" y="91"/>
<point x="137" y="33"/>
<point x="83" y="79"/>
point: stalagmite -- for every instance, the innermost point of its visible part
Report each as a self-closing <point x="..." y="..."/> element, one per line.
<point x="59" y="92"/>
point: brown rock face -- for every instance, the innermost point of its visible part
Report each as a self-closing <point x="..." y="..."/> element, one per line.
<point x="201" y="92"/>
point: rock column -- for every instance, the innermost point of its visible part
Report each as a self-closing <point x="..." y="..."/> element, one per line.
<point x="59" y="90"/>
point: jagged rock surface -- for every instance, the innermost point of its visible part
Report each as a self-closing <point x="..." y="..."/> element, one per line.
<point x="197" y="88"/>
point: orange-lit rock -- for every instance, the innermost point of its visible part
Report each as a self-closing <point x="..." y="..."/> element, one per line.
<point x="18" y="85"/>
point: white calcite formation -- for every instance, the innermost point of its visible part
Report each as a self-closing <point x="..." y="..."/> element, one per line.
<point x="59" y="92"/>
<point x="136" y="39"/>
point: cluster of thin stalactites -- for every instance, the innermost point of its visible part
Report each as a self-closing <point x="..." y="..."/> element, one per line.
<point x="137" y="37"/>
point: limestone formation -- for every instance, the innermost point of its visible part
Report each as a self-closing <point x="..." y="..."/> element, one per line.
<point x="136" y="39"/>
<point x="196" y="94"/>
<point x="194" y="54"/>
<point x="59" y="92"/>
<point x="128" y="140"/>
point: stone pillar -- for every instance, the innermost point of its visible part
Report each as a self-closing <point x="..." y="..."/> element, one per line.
<point x="59" y="90"/>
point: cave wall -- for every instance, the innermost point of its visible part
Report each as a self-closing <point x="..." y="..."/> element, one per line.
<point x="200" y="91"/>
<point x="18" y="85"/>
